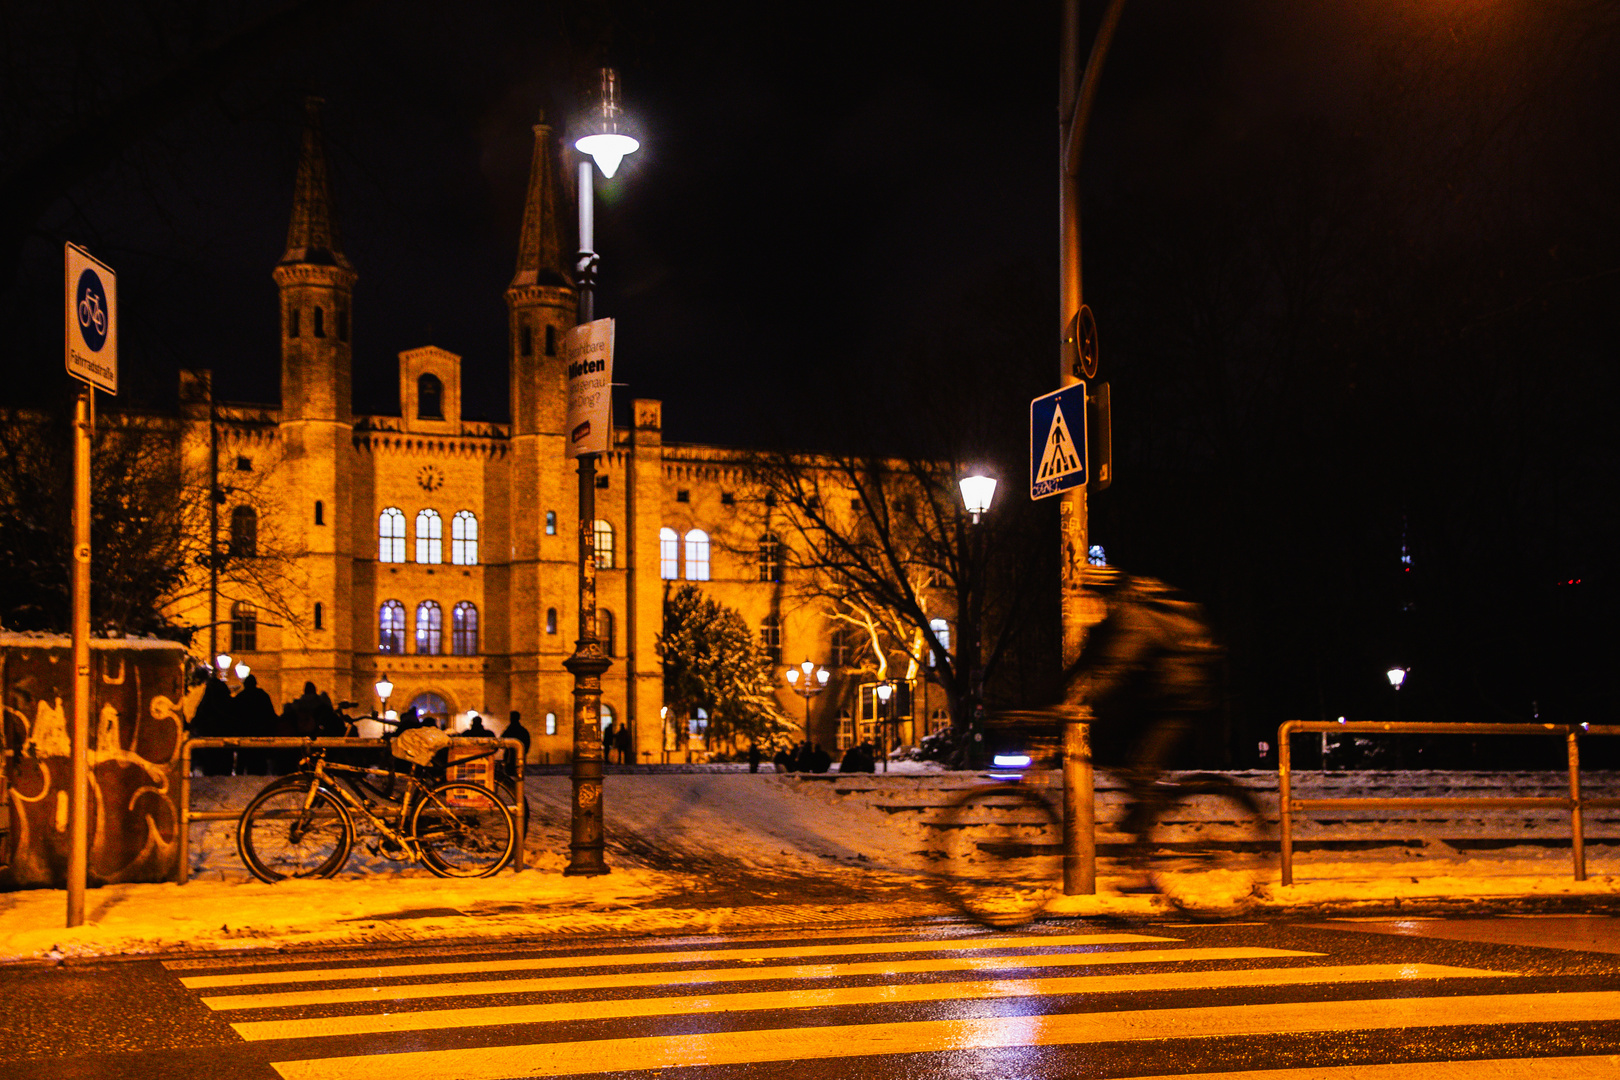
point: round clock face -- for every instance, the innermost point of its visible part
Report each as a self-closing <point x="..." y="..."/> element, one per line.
<point x="430" y="478"/>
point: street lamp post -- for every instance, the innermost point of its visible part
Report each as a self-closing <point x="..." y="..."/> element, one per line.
<point x="884" y="691"/>
<point x="385" y="690"/>
<point x="607" y="145"/>
<point x="807" y="681"/>
<point x="978" y="490"/>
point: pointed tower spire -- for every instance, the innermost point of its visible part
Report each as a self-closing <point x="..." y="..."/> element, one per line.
<point x="541" y="260"/>
<point x="312" y="236"/>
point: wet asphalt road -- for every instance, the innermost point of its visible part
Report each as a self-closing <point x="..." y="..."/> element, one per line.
<point x="1537" y="995"/>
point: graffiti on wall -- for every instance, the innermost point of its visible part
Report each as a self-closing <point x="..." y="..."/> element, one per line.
<point x="136" y="728"/>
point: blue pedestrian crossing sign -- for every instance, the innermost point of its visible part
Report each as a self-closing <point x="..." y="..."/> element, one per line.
<point x="1057" y="441"/>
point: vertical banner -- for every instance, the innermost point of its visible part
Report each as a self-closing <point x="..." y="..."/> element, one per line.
<point x="588" y="356"/>
<point x="92" y="323"/>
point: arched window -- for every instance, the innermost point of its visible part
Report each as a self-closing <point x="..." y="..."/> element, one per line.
<point x="429" y="398"/>
<point x="606" y="712"/>
<point x="770" y="558"/>
<point x="244" y="627"/>
<point x="464" y="629"/>
<point x="431" y="709"/>
<point x="320" y="322"/>
<point x="464" y="539"/>
<point x="429" y="537"/>
<point x="604" y="545"/>
<point x="551" y="523"/>
<point x="669" y="550"/>
<point x="942" y="634"/>
<point x="697" y="555"/>
<point x="551" y="620"/>
<point x="429" y="628"/>
<point x="551" y="723"/>
<point x="391" y="535"/>
<point x="770" y="638"/>
<point x="292" y="322"/>
<point x="604" y="631"/>
<point x="391" y="628"/>
<point x="244" y="532"/>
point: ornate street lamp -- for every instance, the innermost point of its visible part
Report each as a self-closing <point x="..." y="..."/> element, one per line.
<point x="607" y="145"/>
<point x="223" y="663"/>
<point x="1396" y="676"/>
<point x="242" y="670"/>
<point x="807" y="681"/>
<point x="977" y="491"/>
<point x="884" y="690"/>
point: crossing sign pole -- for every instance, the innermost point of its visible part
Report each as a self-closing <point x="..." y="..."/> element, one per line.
<point x="1057" y="442"/>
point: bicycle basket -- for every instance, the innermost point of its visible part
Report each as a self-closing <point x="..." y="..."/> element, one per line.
<point x="418" y="745"/>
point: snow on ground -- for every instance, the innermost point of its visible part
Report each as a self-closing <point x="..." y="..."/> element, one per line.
<point x="667" y="829"/>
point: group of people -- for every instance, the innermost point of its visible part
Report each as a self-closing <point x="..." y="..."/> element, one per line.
<point x="250" y="713"/>
<point x="617" y="737"/>
<point x="804" y="757"/>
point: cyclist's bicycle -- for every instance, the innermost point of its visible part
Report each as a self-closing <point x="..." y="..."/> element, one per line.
<point x="303" y="825"/>
<point x="1194" y="839"/>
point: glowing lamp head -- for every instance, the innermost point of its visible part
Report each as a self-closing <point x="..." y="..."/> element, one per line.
<point x="605" y="143"/>
<point x="385" y="689"/>
<point x="793" y="676"/>
<point x="607" y="149"/>
<point x="242" y="670"/>
<point x="883" y="692"/>
<point x="222" y="662"/>
<point x="977" y="492"/>
<point x="1396" y="676"/>
<point x="822" y="676"/>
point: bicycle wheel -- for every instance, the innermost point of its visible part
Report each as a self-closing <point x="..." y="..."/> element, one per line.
<point x="464" y="830"/>
<point x="1004" y="851"/>
<point x="286" y="833"/>
<point x="1204" y="851"/>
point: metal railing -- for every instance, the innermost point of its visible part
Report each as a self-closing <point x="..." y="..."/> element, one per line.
<point x="187" y="815"/>
<point x="1288" y="806"/>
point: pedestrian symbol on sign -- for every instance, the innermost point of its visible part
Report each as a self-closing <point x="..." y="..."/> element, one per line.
<point x="1059" y="459"/>
<point x="1057" y="441"/>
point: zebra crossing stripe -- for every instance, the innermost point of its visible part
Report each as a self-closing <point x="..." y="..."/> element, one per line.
<point x="855" y="1040"/>
<point x="574" y="963"/>
<point x="619" y="980"/>
<point x="568" y="1011"/>
<point x="1604" y="1067"/>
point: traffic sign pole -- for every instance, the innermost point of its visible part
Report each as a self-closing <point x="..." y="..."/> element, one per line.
<point x="90" y="319"/>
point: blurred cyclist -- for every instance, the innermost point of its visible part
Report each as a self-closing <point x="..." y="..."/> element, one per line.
<point x="1146" y="674"/>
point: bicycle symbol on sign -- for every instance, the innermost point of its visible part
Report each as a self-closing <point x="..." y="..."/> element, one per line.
<point x="91" y="313"/>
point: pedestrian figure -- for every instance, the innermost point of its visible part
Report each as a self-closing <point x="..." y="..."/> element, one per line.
<point x="622" y="741"/>
<point x="753" y="755"/>
<point x="477" y="730"/>
<point x="516" y="730"/>
<point x="820" y="760"/>
<point x="213" y="720"/>
<point x="253" y="715"/>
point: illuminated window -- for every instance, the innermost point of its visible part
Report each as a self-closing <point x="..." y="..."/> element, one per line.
<point x="697" y="555"/>
<point x="939" y="721"/>
<point x="551" y="523"/>
<point x="606" y="712"/>
<point x="846" y="730"/>
<point x="429" y="398"/>
<point x="391" y="536"/>
<point x="551" y="723"/>
<point x="669" y="549"/>
<point x="464" y="539"/>
<point x="464" y="630"/>
<point x="431" y="708"/>
<point x="1096" y="556"/>
<point x="391" y="628"/>
<point x="244" y="627"/>
<point x="698" y="726"/>
<point x="429" y="537"/>
<point x="770" y="638"/>
<point x="942" y="634"/>
<point x="770" y="558"/>
<point x="604" y="545"/>
<point x="429" y="628"/>
<point x="551" y="620"/>
<point x="840" y="645"/>
<point x="244" y="532"/>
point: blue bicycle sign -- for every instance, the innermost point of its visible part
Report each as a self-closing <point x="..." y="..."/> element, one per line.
<point x="92" y="320"/>
<point x="92" y="310"/>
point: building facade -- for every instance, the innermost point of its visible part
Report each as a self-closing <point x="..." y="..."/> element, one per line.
<point x="442" y="552"/>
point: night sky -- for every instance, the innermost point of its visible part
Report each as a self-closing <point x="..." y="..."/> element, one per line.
<point x="1355" y="265"/>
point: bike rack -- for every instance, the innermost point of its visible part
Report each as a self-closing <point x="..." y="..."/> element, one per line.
<point x="1289" y="806"/>
<point x="187" y="815"/>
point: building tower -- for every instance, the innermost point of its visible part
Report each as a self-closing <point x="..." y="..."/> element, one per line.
<point x="316" y="285"/>
<point x="541" y="307"/>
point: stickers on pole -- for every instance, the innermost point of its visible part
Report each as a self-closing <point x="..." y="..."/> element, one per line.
<point x="1057" y="441"/>
<point x="588" y="358"/>
<point x="91" y="319"/>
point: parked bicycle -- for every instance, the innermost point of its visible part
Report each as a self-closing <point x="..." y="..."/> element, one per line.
<point x="1195" y="839"/>
<point x="303" y="825"/>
